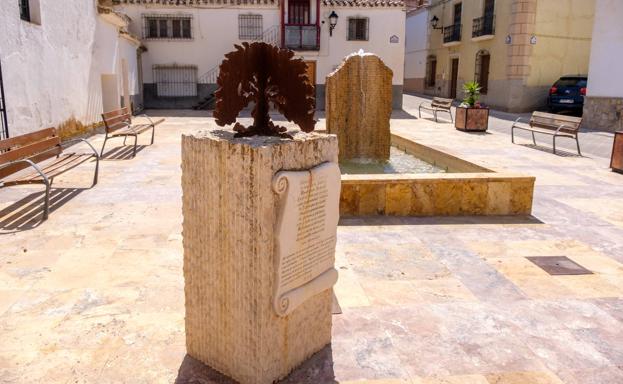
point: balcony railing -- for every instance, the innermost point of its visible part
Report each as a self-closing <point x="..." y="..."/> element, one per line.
<point x="452" y="33"/>
<point x="302" y="37"/>
<point x="483" y="26"/>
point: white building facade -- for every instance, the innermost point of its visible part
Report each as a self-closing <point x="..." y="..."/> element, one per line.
<point x="186" y="40"/>
<point x="603" y="103"/>
<point x="416" y="48"/>
<point x="62" y="66"/>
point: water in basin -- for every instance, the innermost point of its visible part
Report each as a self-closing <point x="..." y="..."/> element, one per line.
<point x="399" y="162"/>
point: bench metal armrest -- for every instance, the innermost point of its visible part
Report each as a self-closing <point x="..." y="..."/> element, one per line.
<point x="151" y="122"/>
<point x="516" y="121"/>
<point x="565" y="126"/>
<point x="84" y="141"/>
<point x="32" y="164"/>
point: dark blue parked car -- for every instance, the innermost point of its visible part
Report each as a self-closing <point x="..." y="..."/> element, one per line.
<point x="567" y="94"/>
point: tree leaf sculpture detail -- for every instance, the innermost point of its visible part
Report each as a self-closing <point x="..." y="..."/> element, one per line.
<point x="264" y="74"/>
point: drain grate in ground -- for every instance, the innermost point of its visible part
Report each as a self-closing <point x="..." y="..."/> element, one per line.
<point x="559" y="265"/>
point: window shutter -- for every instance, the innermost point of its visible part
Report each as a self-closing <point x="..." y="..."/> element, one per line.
<point x="352" y="29"/>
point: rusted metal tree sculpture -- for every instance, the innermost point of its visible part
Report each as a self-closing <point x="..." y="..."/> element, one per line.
<point x="264" y="74"/>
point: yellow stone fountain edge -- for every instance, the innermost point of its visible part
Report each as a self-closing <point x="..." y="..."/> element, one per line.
<point x="472" y="190"/>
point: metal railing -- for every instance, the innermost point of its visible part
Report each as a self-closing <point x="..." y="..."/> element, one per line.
<point x="483" y="26"/>
<point x="302" y="37"/>
<point x="4" y="128"/>
<point x="452" y="33"/>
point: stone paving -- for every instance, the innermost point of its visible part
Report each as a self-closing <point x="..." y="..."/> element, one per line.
<point x="95" y="294"/>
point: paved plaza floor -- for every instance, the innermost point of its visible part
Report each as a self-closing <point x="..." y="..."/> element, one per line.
<point x="95" y="293"/>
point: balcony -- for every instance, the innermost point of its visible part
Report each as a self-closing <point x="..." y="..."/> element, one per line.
<point x="302" y="37"/>
<point x="452" y="35"/>
<point x="483" y="28"/>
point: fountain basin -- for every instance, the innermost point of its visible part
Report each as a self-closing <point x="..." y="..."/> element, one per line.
<point x="464" y="189"/>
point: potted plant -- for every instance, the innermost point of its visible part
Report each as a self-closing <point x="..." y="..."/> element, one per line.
<point x="471" y="115"/>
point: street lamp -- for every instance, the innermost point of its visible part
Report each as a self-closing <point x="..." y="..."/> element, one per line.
<point x="332" y="22"/>
<point x="434" y="21"/>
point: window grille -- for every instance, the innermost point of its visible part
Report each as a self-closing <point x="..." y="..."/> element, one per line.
<point x="250" y="27"/>
<point x="24" y="10"/>
<point x="175" y="80"/>
<point x="173" y="27"/>
<point x="358" y="29"/>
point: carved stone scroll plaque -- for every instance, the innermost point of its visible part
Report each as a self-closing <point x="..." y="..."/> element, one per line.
<point x="306" y="234"/>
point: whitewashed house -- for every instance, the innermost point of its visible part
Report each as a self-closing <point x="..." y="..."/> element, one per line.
<point x="63" y="64"/>
<point x="603" y="103"/>
<point x="186" y="40"/>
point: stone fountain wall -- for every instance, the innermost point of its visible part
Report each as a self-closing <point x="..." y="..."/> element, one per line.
<point x="359" y="106"/>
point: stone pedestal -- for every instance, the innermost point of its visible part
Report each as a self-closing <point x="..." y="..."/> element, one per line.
<point x="359" y="106"/>
<point x="233" y="207"/>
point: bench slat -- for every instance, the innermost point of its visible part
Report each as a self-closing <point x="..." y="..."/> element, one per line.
<point x="11" y="169"/>
<point x="19" y="141"/>
<point x="115" y="113"/>
<point x="30" y="150"/>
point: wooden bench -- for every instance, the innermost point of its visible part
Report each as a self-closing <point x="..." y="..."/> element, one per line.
<point x="37" y="158"/>
<point x="438" y="104"/>
<point x="550" y="124"/>
<point x="119" y="124"/>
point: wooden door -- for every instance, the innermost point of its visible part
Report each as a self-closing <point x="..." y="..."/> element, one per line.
<point x="311" y="74"/>
<point x="484" y="73"/>
<point x="454" y="77"/>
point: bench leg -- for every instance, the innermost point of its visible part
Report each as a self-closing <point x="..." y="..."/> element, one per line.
<point x="513" y="134"/>
<point x="451" y="118"/>
<point x="153" y="132"/>
<point x="124" y="139"/>
<point x="419" y="112"/>
<point x="103" y="145"/>
<point x="135" y="142"/>
<point x="435" y="114"/>
<point x="46" y="201"/>
<point x="554" y="145"/>
<point x="577" y="142"/>
<point x="533" y="139"/>
<point x="97" y="169"/>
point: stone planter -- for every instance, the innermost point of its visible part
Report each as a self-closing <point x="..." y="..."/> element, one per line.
<point x="246" y="233"/>
<point x="616" y="161"/>
<point x="471" y="119"/>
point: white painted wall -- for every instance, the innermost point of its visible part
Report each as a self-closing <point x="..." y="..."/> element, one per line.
<point x="215" y="31"/>
<point x="605" y="73"/>
<point x="416" y="44"/>
<point x="52" y="71"/>
<point x="383" y="24"/>
<point x="46" y="67"/>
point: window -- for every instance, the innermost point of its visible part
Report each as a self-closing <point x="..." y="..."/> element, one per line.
<point x="24" y="10"/>
<point x="250" y="27"/>
<point x="431" y="71"/>
<point x="167" y="27"/>
<point x="29" y="10"/>
<point x="298" y="11"/>
<point x="483" y="60"/>
<point x="357" y="28"/>
<point x="175" y="80"/>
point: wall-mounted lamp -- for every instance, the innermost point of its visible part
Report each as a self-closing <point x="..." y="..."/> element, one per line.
<point x="332" y="22"/>
<point x="434" y="21"/>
